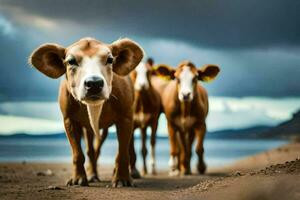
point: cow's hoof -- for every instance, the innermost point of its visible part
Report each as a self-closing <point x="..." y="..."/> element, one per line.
<point x="174" y="172"/>
<point x="186" y="172"/>
<point x="122" y="183"/>
<point x="144" y="172"/>
<point x="153" y="171"/>
<point x="93" y="179"/>
<point x="122" y="178"/>
<point x="201" y="167"/>
<point x="81" y="181"/>
<point x="135" y="173"/>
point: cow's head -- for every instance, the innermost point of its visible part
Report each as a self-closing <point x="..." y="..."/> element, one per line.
<point x="88" y="64"/>
<point x="142" y="74"/>
<point x="187" y="76"/>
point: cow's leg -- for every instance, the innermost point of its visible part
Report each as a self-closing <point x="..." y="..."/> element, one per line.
<point x="200" y="134"/>
<point x="152" y="150"/>
<point x="90" y="151"/>
<point x="121" y="171"/>
<point x="191" y="138"/>
<point x="144" y="149"/>
<point x="173" y="161"/>
<point x="132" y="156"/>
<point x="184" y="153"/>
<point x="74" y="133"/>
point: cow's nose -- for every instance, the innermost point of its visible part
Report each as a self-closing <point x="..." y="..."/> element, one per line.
<point x="94" y="84"/>
<point x="186" y="96"/>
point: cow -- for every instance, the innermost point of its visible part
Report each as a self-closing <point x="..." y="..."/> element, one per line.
<point x="185" y="104"/>
<point x="95" y="93"/>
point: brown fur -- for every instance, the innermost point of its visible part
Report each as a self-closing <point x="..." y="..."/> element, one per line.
<point x="186" y="118"/>
<point x="116" y="110"/>
<point x="147" y="108"/>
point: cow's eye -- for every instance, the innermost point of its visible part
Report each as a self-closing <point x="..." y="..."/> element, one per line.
<point x="109" y="60"/>
<point x="72" y="62"/>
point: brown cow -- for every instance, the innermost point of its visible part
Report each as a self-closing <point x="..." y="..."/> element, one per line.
<point x="185" y="103"/>
<point x="96" y="93"/>
<point x="147" y="108"/>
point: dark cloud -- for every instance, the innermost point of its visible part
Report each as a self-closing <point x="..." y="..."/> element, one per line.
<point x="18" y="80"/>
<point x="212" y="23"/>
<point x="256" y="43"/>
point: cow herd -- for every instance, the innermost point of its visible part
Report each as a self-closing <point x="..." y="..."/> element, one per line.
<point x="108" y="84"/>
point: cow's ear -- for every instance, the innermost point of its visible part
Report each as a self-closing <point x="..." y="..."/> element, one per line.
<point x="128" y="54"/>
<point x="208" y="72"/>
<point x="48" y="59"/>
<point x="165" y="71"/>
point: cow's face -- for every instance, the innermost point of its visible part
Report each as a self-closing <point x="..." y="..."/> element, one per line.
<point x="89" y="65"/>
<point x="187" y="76"/>
<point x="142" y="74"/>
<point x="89" y="70"/>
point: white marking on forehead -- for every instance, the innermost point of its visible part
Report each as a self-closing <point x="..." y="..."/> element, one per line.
<point x="141" y="77"/>
<point x="186" y="73"/>
<point x="186" y="83"/>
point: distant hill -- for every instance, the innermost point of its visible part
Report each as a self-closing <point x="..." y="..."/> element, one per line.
<point x="286" y="130"/>
<point x="111" y="135"/>
<point x="41" y="136"/>
<point x="246" y="133"/>
<point x="223" y="134"/>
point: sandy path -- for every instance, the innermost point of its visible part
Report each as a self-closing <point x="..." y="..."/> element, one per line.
<point x="243" y="180"/>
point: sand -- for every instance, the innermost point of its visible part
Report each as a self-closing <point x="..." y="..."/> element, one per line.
<point x="274" y="174"/>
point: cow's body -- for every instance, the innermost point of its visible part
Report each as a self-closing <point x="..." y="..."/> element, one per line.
<point x="187" y="119"/>
<point x="147" y="108"/>
<point x="185" y="104"/>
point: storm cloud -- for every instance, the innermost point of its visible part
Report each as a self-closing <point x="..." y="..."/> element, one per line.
<point x="212" y="23"/>
<point x="256" y="43"/>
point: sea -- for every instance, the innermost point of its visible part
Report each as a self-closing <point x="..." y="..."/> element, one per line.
<point x="218" y="152"/>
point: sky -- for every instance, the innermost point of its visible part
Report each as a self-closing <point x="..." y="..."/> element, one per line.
<point x="255" y="43"/>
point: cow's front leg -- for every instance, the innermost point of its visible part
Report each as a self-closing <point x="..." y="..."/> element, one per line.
<point x="74" y="132"/>
<point x="185" y="154"/>
<point x="144" y="149"/>
<point x="200" y="134"/>
<point x="121" y="173"/>
<point x="90" y="151"/>
<point x="132" y="155"/>
<point x="152" y="150"/>
<point x="173" y="161"/>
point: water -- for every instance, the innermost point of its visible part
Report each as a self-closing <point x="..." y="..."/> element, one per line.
<point x="218" y="152"/>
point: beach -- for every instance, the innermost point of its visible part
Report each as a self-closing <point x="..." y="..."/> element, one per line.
<point x="273" y="174"/>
